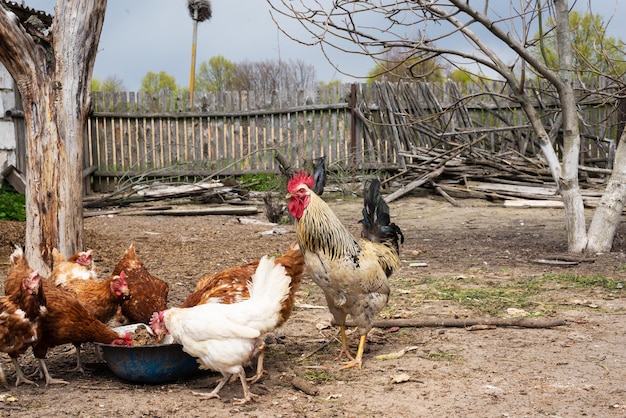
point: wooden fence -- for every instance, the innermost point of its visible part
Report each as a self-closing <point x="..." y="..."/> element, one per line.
<point x="357" y="127"/>
<point x="232" y="133"/>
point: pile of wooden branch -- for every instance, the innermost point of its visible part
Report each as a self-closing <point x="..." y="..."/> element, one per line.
<point x="227" y="198"/>
<point x="466" y="172"/>
<point x="200" y="192"/>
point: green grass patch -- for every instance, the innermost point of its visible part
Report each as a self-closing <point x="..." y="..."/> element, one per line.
<point x="318" y="376"/>
<point x="261" y="182"/>
<point x="572" y="281"/>
<point x="12" y="204"/>
<point x="493" y="297"/>
<point x="485" y="301"/>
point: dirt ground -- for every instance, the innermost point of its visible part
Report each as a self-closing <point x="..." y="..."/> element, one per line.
<point x="572" y="370"/>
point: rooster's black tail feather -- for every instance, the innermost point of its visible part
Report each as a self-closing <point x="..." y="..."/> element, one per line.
<point x="377" y="225"/>
<point x="319" y="175"/>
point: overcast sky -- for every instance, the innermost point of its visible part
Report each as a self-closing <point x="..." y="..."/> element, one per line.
<point x="156" y="35"/>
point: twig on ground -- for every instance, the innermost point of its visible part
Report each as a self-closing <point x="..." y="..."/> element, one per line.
<point x="468" y="322"/>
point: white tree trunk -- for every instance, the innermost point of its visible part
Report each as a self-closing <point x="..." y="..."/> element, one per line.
<point x="609" y="212"/>
<point x="568" y="183"/>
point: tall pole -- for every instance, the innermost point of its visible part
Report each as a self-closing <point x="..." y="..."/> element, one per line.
<point x="199" y="10"/>
<point x="192" y="76"/>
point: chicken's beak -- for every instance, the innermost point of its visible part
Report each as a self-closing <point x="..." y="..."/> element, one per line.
<point x="288" y="196"/>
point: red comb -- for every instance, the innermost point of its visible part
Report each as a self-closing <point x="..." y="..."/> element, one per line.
<point x="298" y="179"/>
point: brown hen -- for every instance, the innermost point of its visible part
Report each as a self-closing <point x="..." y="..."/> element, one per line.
<point x="20" y="314"/>
<point x="102" y="298"/>
<point x="79" y="266"/>
<point x="148" y="294"/>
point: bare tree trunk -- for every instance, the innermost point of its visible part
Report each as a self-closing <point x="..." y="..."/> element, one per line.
<point x="607" y="216"/>
<point x="44" y="169"/>
<point x="568" y="183"/>
<point x="53" y="74"/>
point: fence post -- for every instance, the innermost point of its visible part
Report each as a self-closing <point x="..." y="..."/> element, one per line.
<point x="353" y="131"/>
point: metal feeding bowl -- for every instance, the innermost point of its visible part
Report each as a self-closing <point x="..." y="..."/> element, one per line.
<point x="151" y="364"/>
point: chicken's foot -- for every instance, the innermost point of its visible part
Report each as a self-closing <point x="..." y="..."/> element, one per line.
<point x="79" y="364"/>
<point x="247" y="395"/>
<point x="21" y="377"/>
<point x="215" y="392"/>
<point x="345" y="350"/>
<point x="358" y="360"/>
<point x="49" y="380"/>
<point x="260" y="371"/>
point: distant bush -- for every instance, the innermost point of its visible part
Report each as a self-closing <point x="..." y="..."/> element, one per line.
<point x="12" y="204"/>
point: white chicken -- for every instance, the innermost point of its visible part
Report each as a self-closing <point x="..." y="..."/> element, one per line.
<point x="224" y="337"/>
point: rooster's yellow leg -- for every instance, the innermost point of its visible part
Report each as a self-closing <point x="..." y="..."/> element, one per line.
<point x="358" y="360"/>
<point x="345" y="350"/>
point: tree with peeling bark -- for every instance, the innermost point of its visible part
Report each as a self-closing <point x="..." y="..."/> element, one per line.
<point x="477" y="33"/>
<point x="52" y="65"/>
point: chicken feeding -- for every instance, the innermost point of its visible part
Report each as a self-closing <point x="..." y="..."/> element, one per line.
<point x="66" y="320"/>
<point x="20" y="314"/>
<point x="102" y="298"/>
<point x="353" y="273"/>
<point x="231" y="286"/>
<point x="148" y="294"/>
<point x="223" y="337"/>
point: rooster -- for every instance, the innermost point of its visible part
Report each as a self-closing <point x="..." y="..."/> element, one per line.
<point x="66" y="320"/>
<point x="223" y="337"/>
<point x="147" y="293"/>
<point x="353" y="273"/>
<point x="20" y="313"/>
<point x="231" y="286"/>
